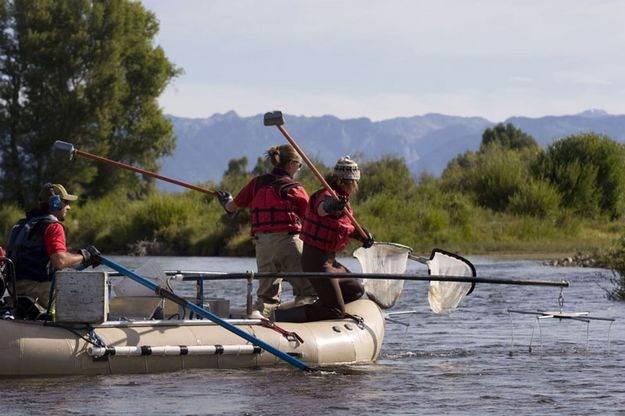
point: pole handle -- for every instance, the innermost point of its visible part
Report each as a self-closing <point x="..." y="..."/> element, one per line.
<point x="322" y="179"/>
<point x="143" y="172"/>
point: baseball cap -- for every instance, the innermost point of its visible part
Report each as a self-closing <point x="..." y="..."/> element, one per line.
<point x="55" y="189"/>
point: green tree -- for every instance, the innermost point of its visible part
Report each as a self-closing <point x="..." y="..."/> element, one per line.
<point x="455" y="176"/>
<point x="492" y="175"/>
<point x="589" y="172"/>
<point x="498" y="174"/>
<point x="501" y="169"/>
<point x="263" y="165"/>
<point x="389" y="175"/>
<point x="508" y="136"/>
<point x="237" y="167"/>
<point x="87" y="72"/>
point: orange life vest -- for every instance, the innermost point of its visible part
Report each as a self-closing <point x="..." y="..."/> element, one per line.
<point x="326" y="232"/>
<point x="270" y="210"/>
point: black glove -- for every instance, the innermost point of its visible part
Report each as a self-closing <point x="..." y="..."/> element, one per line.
<point x="224" y="197"/>
<point x="91" y="256"/>
<point x="332" y="205"/>
<point x="369" y="241"/>
<point x="366" y="242"/>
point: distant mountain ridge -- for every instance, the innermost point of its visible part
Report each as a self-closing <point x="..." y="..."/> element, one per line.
<point x="427" y="142"/>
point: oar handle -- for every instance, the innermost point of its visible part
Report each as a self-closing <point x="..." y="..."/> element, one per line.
<point x="143" y="172"/>
<point x="322" y="179"/>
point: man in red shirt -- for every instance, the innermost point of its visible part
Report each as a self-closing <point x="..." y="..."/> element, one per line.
<point x="37" y="245"/>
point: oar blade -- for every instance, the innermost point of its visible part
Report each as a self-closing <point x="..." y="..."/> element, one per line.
<point x="445" y="297"/>
<point x="383" y="258"/>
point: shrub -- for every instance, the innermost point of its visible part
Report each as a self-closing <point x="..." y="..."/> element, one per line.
<point x="589" y="171"/>
<point x="388" y="175"/>
<point x="535" y="198"/>
<point x="497" y="176"/>
<point x="614" y="259"/>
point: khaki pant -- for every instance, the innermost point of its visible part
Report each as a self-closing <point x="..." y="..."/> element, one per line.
<point x="38" y="291"/>
<point x="280" y="252"/>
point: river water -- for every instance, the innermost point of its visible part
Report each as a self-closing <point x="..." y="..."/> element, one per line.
<point x="479" y="360"/>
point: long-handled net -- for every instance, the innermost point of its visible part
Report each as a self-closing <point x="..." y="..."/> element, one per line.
<point x="383" y="258"/>
<point x="391" y="258"/>
<point x="446" y="296"/>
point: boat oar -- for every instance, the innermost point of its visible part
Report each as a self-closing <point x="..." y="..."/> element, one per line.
<point x="374" y="276"/>
<point x="275" y="118"/>
<point x="68" y="150"/>
<point x="167" y="294"/>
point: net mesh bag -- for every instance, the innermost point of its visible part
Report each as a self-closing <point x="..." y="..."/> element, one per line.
<point x="383" y="258"/>
<point x="445" y="297"/>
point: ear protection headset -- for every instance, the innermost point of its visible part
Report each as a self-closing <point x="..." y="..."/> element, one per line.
<point x="54" y="201"/>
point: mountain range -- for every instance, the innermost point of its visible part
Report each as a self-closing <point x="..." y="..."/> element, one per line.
<point x="427" y="143"/>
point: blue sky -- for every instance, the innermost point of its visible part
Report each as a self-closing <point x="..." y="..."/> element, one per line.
<point x="385" y="59"/>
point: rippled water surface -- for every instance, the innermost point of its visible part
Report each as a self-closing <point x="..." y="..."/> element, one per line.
<point x="479" y="360"/>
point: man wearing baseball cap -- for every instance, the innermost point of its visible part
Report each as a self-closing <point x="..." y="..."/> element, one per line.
<point x="37" y="246"/>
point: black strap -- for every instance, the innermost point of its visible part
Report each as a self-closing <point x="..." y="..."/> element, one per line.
<point x="281" y="184"/>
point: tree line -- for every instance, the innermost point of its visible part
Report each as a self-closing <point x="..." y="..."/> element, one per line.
<point x="509" y="195"/>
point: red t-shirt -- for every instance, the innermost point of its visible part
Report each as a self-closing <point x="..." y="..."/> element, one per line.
<point x="54" y="239"/>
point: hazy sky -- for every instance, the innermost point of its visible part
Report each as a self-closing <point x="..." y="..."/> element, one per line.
<point x="384" y="59"/>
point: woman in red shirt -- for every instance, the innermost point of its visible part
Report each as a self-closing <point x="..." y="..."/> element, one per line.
<point x="277" y="205"/>
<point x="326" y="232"/>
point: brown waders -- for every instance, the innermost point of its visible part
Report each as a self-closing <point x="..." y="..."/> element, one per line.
<point x="333" y="293"/>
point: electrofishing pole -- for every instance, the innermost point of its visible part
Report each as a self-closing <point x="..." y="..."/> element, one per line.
<point x="66" y="149"/>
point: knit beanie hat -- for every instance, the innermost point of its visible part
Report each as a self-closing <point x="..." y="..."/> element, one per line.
<point x="346" y="168"/>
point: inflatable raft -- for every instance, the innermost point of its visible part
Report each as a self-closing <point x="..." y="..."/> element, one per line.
<point x="34" y="348"/>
